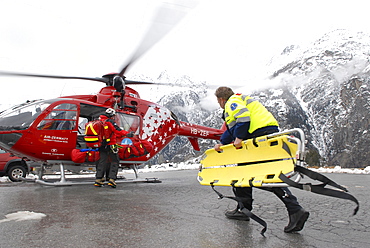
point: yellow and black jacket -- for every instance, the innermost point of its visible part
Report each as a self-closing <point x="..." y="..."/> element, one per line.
<point x="244" y="117"/>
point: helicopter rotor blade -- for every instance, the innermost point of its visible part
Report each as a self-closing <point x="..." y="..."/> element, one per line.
<point x="104" y="80"/>
<point x="137" y="82"/>
<point x="142" y="82"/>
<point x="19" y="74"/>
<point x="166" y="18"/>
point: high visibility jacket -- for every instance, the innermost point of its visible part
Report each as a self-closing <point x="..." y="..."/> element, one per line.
<point x="243" y="109"/>
<point x="93" y="131"/>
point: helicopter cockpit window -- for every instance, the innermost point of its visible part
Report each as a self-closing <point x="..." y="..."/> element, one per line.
<point x="129" y="123"/>
<point x="22" y="116"/>
<point x="63" y="117"/>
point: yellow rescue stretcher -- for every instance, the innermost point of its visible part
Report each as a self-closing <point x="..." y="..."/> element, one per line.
<point x="258" y="163"/>
<point x="275" y="160"/>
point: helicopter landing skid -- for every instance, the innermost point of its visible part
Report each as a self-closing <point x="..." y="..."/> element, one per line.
<point x="62" y="181"/>
<point x="71" y="183"/>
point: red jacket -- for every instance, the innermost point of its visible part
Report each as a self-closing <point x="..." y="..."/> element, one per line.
<point x="111" y="130"/>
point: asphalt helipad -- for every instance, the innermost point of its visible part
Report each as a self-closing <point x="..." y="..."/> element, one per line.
<point x="178" y="212"/>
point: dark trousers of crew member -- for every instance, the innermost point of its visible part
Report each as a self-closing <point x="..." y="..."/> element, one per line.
<point x="108" y="164"/>
<point x="284" y="194"/>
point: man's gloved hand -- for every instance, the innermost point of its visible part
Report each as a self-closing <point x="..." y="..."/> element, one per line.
<point x="130" y="134"/>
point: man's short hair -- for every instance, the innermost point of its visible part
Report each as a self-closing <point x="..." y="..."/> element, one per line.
<point x="224" y="92"/>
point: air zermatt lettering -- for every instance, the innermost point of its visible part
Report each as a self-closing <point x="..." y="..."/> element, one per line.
<point x="55" y="139"/>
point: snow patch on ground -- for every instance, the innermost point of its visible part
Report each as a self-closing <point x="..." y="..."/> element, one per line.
<point x="23" y="215"/>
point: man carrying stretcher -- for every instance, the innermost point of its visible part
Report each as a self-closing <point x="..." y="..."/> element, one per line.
<point x="247" y="118"/>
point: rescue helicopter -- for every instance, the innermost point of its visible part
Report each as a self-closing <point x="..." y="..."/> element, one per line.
<point x="48" y="132"/>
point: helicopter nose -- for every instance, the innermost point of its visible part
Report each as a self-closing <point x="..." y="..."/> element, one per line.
<point x="7" y="140"/>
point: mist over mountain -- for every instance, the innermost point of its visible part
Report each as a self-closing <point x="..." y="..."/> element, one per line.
<point x="322" y="89"/>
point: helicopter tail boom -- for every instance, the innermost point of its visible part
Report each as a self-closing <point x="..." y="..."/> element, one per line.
<point x="193" y="132"/>
<point x="197" y="131"/>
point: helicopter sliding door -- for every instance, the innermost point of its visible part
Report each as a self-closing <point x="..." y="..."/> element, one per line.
<point x="62" y="117"/>
<point x="57" y="131"/>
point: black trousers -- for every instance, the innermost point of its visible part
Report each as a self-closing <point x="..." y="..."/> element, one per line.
<point x="284" y="194"/>
<point x="108" y="164"/>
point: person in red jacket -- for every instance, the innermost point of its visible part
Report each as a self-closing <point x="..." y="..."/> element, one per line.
<point x="109" y="160"/>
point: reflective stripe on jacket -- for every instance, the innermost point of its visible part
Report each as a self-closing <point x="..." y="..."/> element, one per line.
<point x="242" y="108"/>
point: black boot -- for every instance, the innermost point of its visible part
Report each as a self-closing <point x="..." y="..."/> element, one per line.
<point x="236" y="214"/>
<point x="297" y="221"/>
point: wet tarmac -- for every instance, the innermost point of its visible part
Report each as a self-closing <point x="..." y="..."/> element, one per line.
<point x="178" y="212"/>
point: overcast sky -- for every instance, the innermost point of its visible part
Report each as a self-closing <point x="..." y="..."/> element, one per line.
<point x="220" y="42"/>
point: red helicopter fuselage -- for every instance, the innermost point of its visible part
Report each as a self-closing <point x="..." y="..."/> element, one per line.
<point x="48" y="130"/>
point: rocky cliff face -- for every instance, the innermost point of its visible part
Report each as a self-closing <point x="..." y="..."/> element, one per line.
<point x="323" y="89"/>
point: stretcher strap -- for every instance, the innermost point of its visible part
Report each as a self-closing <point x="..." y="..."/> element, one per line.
<point x="243" y="209"/>
<point x="319" y="177"/>
<point x="320" y="188"/>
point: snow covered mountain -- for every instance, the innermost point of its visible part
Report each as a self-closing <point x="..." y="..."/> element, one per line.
<point x="329" y="81"/>
<point x="323" y="89"/>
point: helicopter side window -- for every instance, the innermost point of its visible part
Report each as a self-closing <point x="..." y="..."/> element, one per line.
<point x="63" y="117"/>
<point x="129" y="123"/>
